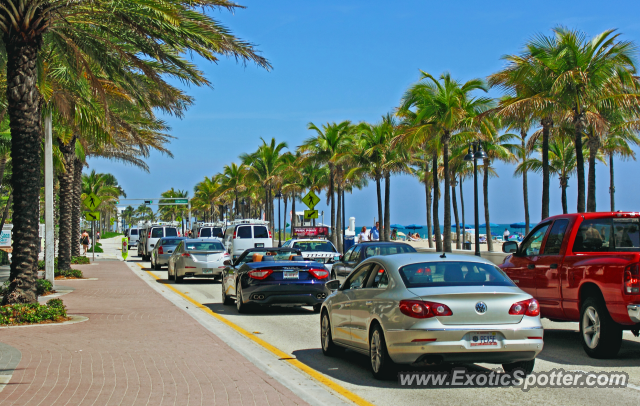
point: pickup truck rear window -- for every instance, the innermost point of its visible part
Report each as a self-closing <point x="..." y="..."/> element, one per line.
<point x="608" y="235"/>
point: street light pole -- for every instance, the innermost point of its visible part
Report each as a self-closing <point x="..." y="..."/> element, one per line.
<point x="475" y="152"/>
<point x="279" y="196"/>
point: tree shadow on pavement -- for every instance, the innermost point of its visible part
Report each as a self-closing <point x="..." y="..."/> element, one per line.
<point x="565" y="347"/>
<point x="261" y="311"/>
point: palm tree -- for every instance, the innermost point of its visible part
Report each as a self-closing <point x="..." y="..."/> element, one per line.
<point x="328" y="147"/>
<point x="616" y="143"/>
<point x="171" y="212"/>
<point x="159" y="34"/>
<point x="448" y="106"/>
<point x="232" y="179"/>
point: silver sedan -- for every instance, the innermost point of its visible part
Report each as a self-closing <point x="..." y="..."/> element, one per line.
<point x="200" y="258"/>
<point x="163" y="250"/>
<point x="422" y="309"/>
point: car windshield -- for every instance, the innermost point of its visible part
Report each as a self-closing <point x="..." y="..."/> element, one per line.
<point x="204" y="246"/>
<point x="386" y="249"/>
<point x="317" y="246"/>
<point x="258" y="255"/>
<point x="431" y="274"/>
<point x="171" y="241"/>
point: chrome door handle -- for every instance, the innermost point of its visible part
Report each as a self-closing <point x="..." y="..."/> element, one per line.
<point x="369" y="303"/>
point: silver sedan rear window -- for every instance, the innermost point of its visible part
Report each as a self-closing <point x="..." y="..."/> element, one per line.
<point x="429" y="274"/>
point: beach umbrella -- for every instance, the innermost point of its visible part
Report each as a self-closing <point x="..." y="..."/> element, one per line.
<point x="491" y="224"/>
<point x="413" y="227"/>
<point x="495" y="234"/>
<point x="518" y="225"/>
<point x="397" y="226"/>
<point x="466" y="226"/>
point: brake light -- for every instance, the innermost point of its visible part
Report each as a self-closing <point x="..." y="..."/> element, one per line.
<point x="160" y="250"/>
<point x="632" y="279"/>
<point x="319" y="273"/>
<point x="149" y="236"/>
<point x="187" y="255"/>
<point x="420" y="309"/>
<point x="529" y="307"/>
<point x="269" y="233"/>
<point x="260" y="274"/>
<point x="234" y="234"/>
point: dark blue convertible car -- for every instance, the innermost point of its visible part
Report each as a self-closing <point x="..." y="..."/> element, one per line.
<point x="274" y="276"/>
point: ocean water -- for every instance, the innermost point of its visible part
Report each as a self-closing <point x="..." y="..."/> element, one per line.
<point x="495" y="230"/>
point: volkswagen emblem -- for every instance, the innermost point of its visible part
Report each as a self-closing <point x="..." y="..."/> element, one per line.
<point x="481" y="307"/>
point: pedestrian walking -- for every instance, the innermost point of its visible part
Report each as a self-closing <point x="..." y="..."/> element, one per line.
<point x="375" y="232"/>
<point x="84" y="240"/>
<point x="363" y="236"/>
<point x="505" y="235"/>
<point x="98" y="236"/>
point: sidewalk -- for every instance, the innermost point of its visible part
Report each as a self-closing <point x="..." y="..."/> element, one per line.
<point x="136" y="348"/>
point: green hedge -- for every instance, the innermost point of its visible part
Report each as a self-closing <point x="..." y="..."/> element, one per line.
<point x="43" y="286"/>
<point x="72" y="273"/>
<point x="110" y="234"/>
<point x="74" y="261"/>
<point x="54" y="310"/>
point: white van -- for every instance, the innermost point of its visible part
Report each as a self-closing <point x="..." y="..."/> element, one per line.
<point x="149" y="236"/>
<point x="244" y="234"/>
<point x="133" y="234"/>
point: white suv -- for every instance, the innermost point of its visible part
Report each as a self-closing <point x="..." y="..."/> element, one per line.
<point x="149" y="236"/>
<point x="241" y="236"/>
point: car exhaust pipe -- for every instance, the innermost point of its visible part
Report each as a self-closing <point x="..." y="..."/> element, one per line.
<point x="321" y="295"/>
<point x="257" y="297"/>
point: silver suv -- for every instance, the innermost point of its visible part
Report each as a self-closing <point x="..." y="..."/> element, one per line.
<point x="149" y="236"/>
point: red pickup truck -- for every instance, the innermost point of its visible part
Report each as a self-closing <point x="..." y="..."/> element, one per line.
<point x="585" y="268"/>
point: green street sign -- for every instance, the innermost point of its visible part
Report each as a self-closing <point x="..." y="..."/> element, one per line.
<point x="92" y="201"/>
<point x="182" y="201"/>
<point x="92" y="216"/>
<point x="112" y="221"/>
<point x="310" y="214"/>
<point x="310" y="200"/>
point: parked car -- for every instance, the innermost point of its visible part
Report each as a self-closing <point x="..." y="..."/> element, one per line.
<point x="200" y="258"/>
<point x="162" y="251"/>
<point x="583" y="268"/>
<point x="315" y="249"/>
<point x="274" y="276"/>
<point x="133" y="237"/>
<point x="359" y="252"/>
<point x="149" y="236"/>
<point x="423" y="309"/>
<point x="246" y="234"/>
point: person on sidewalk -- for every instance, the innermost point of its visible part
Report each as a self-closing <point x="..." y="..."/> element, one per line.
<point x="84" y="240"/>
<point x="375" y="232"/>
<point x="363" y="236"/>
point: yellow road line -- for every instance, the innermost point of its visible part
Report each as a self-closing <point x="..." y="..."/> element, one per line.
<point x="277" y="352"/>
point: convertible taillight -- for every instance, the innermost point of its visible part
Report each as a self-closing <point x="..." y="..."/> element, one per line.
<point x="186" y="254"/>
<point x="529" y="307"/>
<point x="632" y="279"/>
<point x="319" y="273"/>
<point x="160" y="250"/>
<point x="260" y="274"/>
<point x="420" y="309"/>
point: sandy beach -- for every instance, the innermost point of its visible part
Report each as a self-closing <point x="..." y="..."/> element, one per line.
<point x="497" y="246"/>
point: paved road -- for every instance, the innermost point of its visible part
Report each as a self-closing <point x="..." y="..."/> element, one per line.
<point x="296" y="331"/>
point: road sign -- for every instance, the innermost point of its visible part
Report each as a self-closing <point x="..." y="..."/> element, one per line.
<point x="310" y="200"/>
<point x="112" y="221"/>
<point x="310" y="214"/>
<point x="92" y="215"/>
<point x="92" y="201"/>
<point x="148" y="201"/>
<point x="182" y="201"/>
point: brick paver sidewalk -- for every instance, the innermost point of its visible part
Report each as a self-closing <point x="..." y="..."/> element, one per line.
<point x="137" y="348"/>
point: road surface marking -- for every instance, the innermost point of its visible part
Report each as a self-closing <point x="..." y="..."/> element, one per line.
<point x="277" y="352"/>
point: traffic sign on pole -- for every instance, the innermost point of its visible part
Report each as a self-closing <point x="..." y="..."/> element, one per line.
<point x="181" y="201"/>
<point x="310" y="214"/>
<point x="92" y="215"/>
<point x="92" y="201"/>
<point x="310" y="200"/>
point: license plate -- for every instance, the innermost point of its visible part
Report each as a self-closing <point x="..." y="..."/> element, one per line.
<point x="484" y="338"/>
<point x="259" y="245"/>
<point x="207" y="270"/>
<point x="291" y="275"/>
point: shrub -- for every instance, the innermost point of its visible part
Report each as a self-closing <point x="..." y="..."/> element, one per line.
<point x="54" y="310"/>
<point x="43" y="286"/>
<point x="71" y="273"/>
<point x="80" y="260"/>
<point x="98" y="248"/>
<point x="110" y="234"/>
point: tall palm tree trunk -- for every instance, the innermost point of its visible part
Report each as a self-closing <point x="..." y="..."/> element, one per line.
<point x="379" y="192"/>
<point x="612" y="187"/>
<point x="65" y="179"/>
<point x="546" y="123"/>
<point x="76" y="211"/>
<point x="455" y="213"/>
<point x="293" y="212"/>
<point x="427" y="191"/>
<point x="387" y="206"/>
<point x="334" y="238"/>
<point x="564" y="181"/>
<point x="525" y="188"/>
<point x="447" y="193"/>
<point x="594" y="145"/>
<point x="284" y="223"/>
<point x="339" y="221"/>
<point x="464" y="224"/>
<point x="26" y="149"/>
<point x="485" y="192"/>
<point x="578" y="124"/>
<point x="436" y="196"/>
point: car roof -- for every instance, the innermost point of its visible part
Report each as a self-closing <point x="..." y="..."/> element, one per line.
<point x="398" y="260"/>
<point x="173" y="238"/>
<point x="596" y="215"/>
<point x="203" y="239"/>
<point x="285" y="249"/>
<point x="382" y="243"/>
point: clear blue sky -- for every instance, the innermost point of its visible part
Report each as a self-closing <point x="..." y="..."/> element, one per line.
<point x="352" y="60"/>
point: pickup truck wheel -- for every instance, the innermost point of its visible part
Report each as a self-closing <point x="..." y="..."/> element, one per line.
<point x="601" y="336"/>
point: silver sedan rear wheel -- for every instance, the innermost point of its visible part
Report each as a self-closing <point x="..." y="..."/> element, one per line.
<point x="381" y="364"/>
